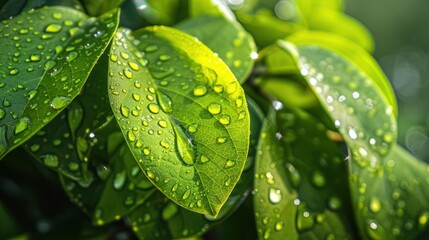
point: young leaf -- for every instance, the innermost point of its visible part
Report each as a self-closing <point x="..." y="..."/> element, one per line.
<point x="295" y="193"/>
<point x="50" y="52"/>
<point x="228" y="39"/>
<point x="380" y="190"/>
<point x="183" y="114"/>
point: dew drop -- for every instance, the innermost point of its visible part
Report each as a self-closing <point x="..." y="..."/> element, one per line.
<point x="136" y="97"/>
<point x="375" y="205"/>
<point x="22" y="125"/>
<point x="186" y="194"/>
<point x="119" y="180"/>
<point x="164" y="144"/>
<point x="304" y="221"/>
<point x="51" y="161"/>
<point x="131" y="136"/>
<point x="274" y="195"/>
<point x="200" y="90"/>
<point x="151" y="48"/>
<point x="214" y="108"/>
<point x="162" y="123"/>
<point x="35" y="57"/>
<point x="228" y="182"/>
<point x="204" y="159"/>
<point x="128" y="74"/>
<point x="221" y="140"/>
<point x="53" y="28"/>
<point x="72" y="56"/>
<point x="279" y="226"/>
<point x="318" y="179"/>
<point x="229" y="164"/>
<point x="164" y="57"/>
<point x="153" y="108"/>
<point x="59" y="102"/>
<point x="125" y="111"/>
<point x="225" y="119"/>
<point x="334" y="203"/>
<point x="13" y="71"/>
<point x="2" y="113"/>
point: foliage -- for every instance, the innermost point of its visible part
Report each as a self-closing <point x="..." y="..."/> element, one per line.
<point x="158" y="118"/>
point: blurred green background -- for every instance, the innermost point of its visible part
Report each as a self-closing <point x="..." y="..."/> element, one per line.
<point x="401" y="34"/>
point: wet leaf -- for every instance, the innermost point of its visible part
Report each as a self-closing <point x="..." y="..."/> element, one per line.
<point x="367" y="125"/>
<point x="183" y="114"/>
<point x="160" y="218"/>
<point x="296" y="195"/>
<point x="227" y="39"/>
<point x="354" y="53"/>
<point x="50" y="53"/>
<point x="72" y="137"/>
<point x="113" y="190"/>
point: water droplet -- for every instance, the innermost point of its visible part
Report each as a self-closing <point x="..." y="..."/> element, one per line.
<point x="228" y="182"/>
<point x="53" y="28"/>
<point x="119" y="180"/>
<point x="164" y="144"/>
<point x="134" y="66"/>
<point x="59" y="102"/>
<point x="162" y="123"/>
<point x="274" y="195"/>
<point x="51" y="161"/>
<point x="57" y="16"/>
<point x="164" y="57"/>
<point x="353" y="134"/>
<point x="72" y="56"/>
<point x="128" y="74"/>
<point x="318" y="179"/>
<point x="225" y="119"/>
<point x="169" y="211"/>
<point x="304" y="221"/>
<point x="151" y="48"/>
<point x="279" y="226"/>
<point x="214" y="108"/>
<point x="49" y="65"/>
<point x="22" y="125"/>
<point x="204" y="158"/>
<point x="35" y="147"/>
<point x="153" y="108"/>
<point x="186" y="194"/>
<point x="125" y="111"/>
<point x="334" y="203"/>
<point x="131" y="136"/>
<point x="150" y="174"/>
<point x="200" y="90"/>
<point x="164" y="102"/>
<point x="229" y="164"/>
<point x="14" y="71"/>
<point x="221" y="140"/>
<point x="124" y="55"/>
<point x="35" y="57"/>
<point x="423" y="218"/>
<point x="375" y="205"/>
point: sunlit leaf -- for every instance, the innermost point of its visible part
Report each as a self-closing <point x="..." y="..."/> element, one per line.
<point x="227" y="39"/>
<point x="50" y="53"/>
<point x="296" y="195"/>
<point x="183" y="114"/>
<point x="353" y="53"/>
<point x="381" y="192"/>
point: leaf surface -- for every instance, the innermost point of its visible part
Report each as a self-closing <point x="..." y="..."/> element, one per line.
<point x="384" y="199"/>
<point x="295" y="193"/>
<point x="226" y="38"/>
<point x="183" y="114"/>
<point x="49" y="54"/>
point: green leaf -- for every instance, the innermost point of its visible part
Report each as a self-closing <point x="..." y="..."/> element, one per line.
<point x="383" y="187"/>
<point x="210" y="7"/>
<point x="226" y="38"/>
<point x="50" y="53"/>
<point x="354" y="53"/>
<point x="340" y="24"/>
<point x="114" y="188"/>
<point x="98" y="7"/>
<point x="72" y="137"/>
<point x="307" y="7"/>
<point x="295" y="193"/>
<point x="264" y="25"/>
<point x="183" y="114"/>
<point x="167" y="12"/>
<point x="160" y="218"/>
